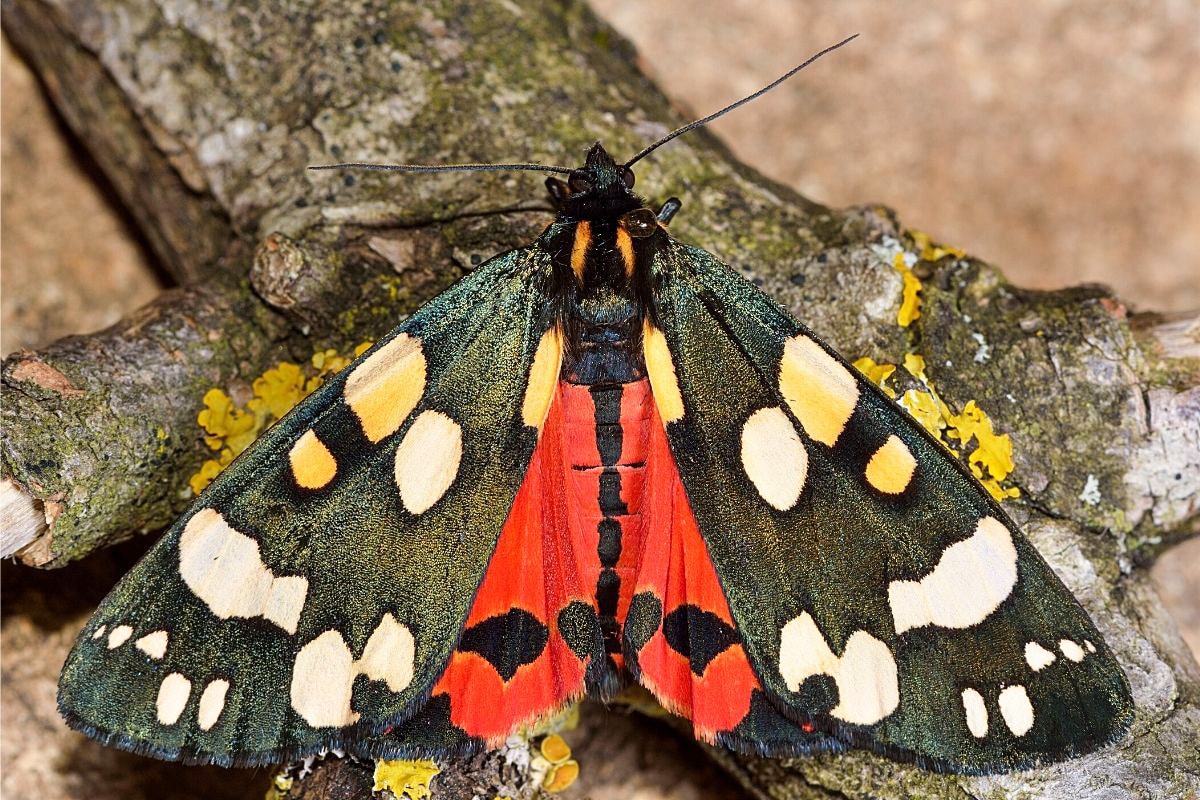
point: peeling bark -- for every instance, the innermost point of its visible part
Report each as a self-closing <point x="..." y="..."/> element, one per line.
<point x="204" y="117"/>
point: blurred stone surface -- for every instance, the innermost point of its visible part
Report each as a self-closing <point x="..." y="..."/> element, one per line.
<point x="71" y="263"/>
<point x="1059" y="141"/>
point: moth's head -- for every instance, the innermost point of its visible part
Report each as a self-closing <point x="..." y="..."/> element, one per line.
<point x="600" y="188"/>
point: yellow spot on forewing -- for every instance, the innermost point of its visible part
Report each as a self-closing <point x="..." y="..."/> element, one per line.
<point x="664" y="383"/>
<point x="1038" y="657"/>
<point x="976" y="712"/>
<point x="405" y="779"/>
<point x="173" y="695"/>
<point x="891" y="468"/>
<point x="625" y="248"/>
<point x="212" y="703"/>
<point x="119" y="636"/>
<point x="543" y="379"/>
<point x="866" y="675"/>
<point x="820" y="391"/>
<point x="972" y="578"/>
<point x="384" y="389"/>
<point x="579" y="248"/>
<point x="325" y="669"/>
<point x="427" y="460"/>
<point x="774" y="458"/>
<point x="313" y="466"/>
<point x="1016" y="709"/>
<point x="153" y="644"/>
<point x="224" y="568"/>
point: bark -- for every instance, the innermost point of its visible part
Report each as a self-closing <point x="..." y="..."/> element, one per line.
<point x="204" y="117"/>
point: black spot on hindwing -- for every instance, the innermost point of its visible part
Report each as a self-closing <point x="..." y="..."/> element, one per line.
<point x="580" y="629"/>
<point x="698" y="635"/>
<point x="508" y="641"/>
<point x="642" y="620"/>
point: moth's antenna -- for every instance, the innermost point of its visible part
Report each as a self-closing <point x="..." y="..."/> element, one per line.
<point x="446" y="167"/>
<point x="698" y="123"/>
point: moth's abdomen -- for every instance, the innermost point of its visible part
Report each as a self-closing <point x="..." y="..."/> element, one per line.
<point x="606" y="431"/>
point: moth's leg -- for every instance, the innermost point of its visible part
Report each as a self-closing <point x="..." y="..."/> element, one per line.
<point x="668" y="211"/>
<point x="559" y="191"/>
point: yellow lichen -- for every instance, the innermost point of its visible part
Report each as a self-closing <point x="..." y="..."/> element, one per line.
<point x="910" y="298"/>
<point x="561" y="776"/>
<point x="555" y="748"/>
<point x="924" y="409"/>
<point x="931" y="252"/>
<point x="228" y="429"/>
<point x="281" y="785"/>
<point x="991" y="460"/>
<point x="877" y="373"/>
<point x="552" y="765"/>
<point x="405" y="778"/>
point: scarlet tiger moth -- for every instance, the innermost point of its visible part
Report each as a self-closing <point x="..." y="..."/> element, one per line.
<point x="601" y="457"/>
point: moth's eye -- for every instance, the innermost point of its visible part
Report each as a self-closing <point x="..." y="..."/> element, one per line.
<point x="578" y="183"/>
<point x="640" y="223"/>
<point x="627" y="177"/>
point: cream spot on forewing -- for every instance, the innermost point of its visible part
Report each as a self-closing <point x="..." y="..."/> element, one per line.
<point x="427" y="460"/>
<point x="173" y="695"/>
<point x="119" y="636"/>
<point x="971" y="580"/>
<point x="1038" y="657"/>
<point x="313" y="466"/>
<point x="224" y="568"/>
<point x="384" y="389"/>
<point x="1071" y="650"/>
<point x="664" y="381"/>
<point x="212" y="703"/>
<point x="820" y="391"/>
<point x="153" y="644"/>
<point x="976" y="711"/>
<point x="865" y="674"/>
<point x="322" y="682"/>
<point x="543" y="379"/>
<point x="1016" y="709"/>
<point x="389" y="655"/>
<point x="774" y="458"/>
<point x="96" y="634"/>
<point x="891" y="469"/>
<point x="1091" y="648"/>
<point x="325" y="669"/>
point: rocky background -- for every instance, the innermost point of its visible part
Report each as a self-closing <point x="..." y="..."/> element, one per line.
<point x="1062" y="144"/>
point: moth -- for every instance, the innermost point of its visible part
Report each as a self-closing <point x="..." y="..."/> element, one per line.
<point x="598" y="459"/>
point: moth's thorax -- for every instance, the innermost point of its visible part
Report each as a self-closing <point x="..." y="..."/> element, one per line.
<point x="601" y="280"/>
